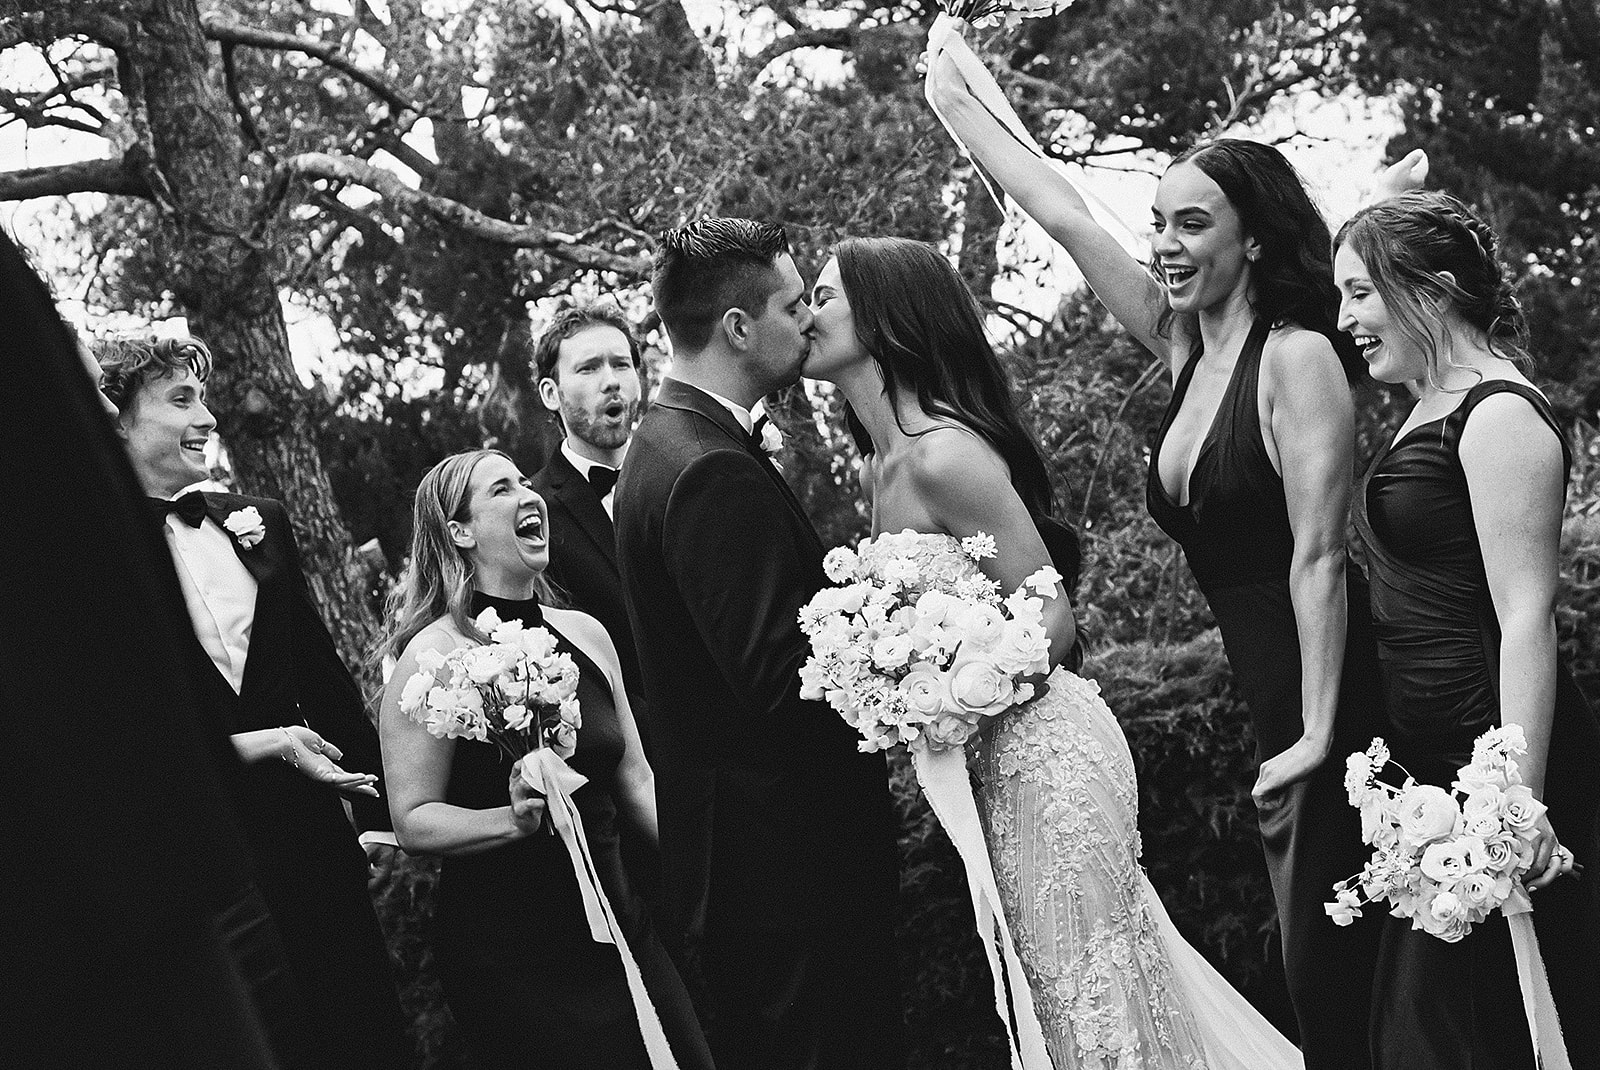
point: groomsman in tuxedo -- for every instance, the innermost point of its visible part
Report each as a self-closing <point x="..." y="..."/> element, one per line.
<point x="777" y="834"/>
<point x="272" y="677"/>
<point x="587" y="366"/>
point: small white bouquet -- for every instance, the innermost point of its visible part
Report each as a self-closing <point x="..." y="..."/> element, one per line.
<point x="517" y="691"/>
<point x="917" y="642"/>
<point x="1012" y="11"/>
<point x="1444" y="859"/>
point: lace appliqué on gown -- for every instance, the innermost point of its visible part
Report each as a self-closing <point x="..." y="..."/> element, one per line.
<point x="1059" y="797"/>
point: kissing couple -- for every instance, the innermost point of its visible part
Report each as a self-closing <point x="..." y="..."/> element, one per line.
<point x="777" y="832"/>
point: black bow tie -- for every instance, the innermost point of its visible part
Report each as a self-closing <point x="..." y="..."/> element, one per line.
<point x="191" y="508"/>
<point x="602" y="479"/>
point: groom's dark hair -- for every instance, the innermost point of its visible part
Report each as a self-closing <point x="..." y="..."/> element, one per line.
<point x="710" y="265"/>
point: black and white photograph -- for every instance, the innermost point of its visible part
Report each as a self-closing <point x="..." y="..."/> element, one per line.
<point x="800" y="534"/>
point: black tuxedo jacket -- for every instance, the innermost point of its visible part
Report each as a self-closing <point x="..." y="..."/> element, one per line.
<point x="583" y="563"/>
<point x="293" y="675"/>
<point x="770" y="816"/>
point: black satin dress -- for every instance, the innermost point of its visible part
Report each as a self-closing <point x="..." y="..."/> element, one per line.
<point x="1235" y="533"/>
<point x="1449" y="1006"/>
<point x="529" y="985"/>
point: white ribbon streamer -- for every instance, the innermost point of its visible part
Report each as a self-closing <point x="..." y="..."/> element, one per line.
<point x="943" y="776"/>
<point x="544" y="771"/>
<point x="1549" y="1046"/>
<point x="944" y="36"/>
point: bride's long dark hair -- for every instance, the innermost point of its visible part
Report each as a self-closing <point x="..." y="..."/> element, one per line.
<point x="918" y="320"/>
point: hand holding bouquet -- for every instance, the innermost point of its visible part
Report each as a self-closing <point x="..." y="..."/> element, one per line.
<point x="916" y="641"/>
<point x="1444" y="859"/>
<point x="1012" y="11"/>
<point x="516" y="691"/>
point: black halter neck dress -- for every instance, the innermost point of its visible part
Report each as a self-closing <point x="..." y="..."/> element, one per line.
<point x="525" y="979"/>
<point x="1236" y="535"/>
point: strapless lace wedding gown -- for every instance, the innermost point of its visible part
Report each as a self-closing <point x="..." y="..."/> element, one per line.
<point x="1114" y="984"/>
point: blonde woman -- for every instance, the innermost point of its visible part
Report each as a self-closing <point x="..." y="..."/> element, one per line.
<point x="522" y="973"/>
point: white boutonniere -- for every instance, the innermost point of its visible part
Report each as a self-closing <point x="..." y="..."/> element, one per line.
<point x="247" y="526"/>
<point x="771" y="438"/>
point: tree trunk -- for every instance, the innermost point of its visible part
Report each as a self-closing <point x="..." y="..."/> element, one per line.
<point x="220" y="239"/>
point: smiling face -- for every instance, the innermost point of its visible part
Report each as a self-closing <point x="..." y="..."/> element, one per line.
<point x="1202" y="252"/>
<point x="1392" y="356"/>
<point x="504" y="532"/>
<point x="166" y="426"/>
<point x="594" y="387"/>
<point x="779" y="339"/>
<point x="834" y="345"/>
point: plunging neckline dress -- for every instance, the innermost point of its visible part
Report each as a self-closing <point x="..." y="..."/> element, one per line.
<point x="1236" y="535"/>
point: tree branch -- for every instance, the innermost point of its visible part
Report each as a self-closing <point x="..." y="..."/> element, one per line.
<point x="803" y="39"/>
<point x="219" y="27"/>
<point x="458" y="217"/>
<point x="114" y="176"/>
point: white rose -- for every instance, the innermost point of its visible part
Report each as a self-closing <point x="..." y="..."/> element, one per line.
<point x="429" y="661"/>
<point x="949" y="730"/>
<point x="978" y="687"/>
<point x="980" y="624"/>
<point x="1426" y="813"/>
<point x="925" y="690"/>
<point x="1521" y="811"/>
<point x="246" y="525"/>
<point x="517" y="716"/>
<point x="487" y="621"/>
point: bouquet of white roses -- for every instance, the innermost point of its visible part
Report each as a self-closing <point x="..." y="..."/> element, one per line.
<point x="1444" y="859"/>
<point x="916" y="641"/>
<point x="1012" y="11"/>
<point x="516" y="690"/>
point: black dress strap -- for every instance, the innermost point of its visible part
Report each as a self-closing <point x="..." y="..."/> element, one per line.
<point x="1490" y="387"/>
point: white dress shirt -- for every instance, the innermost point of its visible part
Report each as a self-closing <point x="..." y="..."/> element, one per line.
<point x="218" y="590"/>
<point x="583" y="464"/>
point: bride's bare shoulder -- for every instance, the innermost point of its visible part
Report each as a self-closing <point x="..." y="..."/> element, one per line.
<point x="950" y="453"/>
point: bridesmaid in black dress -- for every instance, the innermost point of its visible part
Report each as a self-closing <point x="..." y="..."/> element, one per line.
<point x="1251" y="473"/>
<point x="525" y="979"/>
<point x="1460" y="521"/>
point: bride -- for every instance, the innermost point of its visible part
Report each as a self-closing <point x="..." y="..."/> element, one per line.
<point x="1114" y="984"/>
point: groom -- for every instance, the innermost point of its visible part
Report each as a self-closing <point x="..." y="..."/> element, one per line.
<point x="777" y="835"/>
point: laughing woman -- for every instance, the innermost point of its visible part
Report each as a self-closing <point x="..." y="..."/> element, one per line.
<point x="1460" y="521"/>
<point x="524" y="977"/>
<point x="1250" y="472"/>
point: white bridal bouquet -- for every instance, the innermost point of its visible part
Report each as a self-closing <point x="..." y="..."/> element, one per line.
<point x="1444" y="859"/>
<point x="1012" y="11"/>
<point x="916" y="642"/>
<point x="516" y="690"/>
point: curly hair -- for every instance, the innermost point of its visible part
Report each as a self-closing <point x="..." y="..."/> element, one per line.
<point x="1292" y="281"/>
<point x="708" y="266"/>
<point x="1407" y="244"/>
<point x="569" y="321"/>
<point x="129" y="362"/>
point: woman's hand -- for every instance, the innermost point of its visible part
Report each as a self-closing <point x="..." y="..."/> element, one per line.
<point x="527" y="806"/>
<point x="1402" y="176"/>
<point x="1550" y="859"/>
<point x="1284" y="770"/>
<point x="316" y="758"/>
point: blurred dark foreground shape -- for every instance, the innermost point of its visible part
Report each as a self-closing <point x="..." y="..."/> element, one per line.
<point x="119" y="844"/>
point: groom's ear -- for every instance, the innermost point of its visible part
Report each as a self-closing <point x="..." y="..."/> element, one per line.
<point x="736" y="326"/>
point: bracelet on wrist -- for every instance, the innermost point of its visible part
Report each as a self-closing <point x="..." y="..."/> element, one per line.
<point x="289" y="755"/>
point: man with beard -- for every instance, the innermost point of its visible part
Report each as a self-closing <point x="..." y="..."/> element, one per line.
<point x="587" y="366"/>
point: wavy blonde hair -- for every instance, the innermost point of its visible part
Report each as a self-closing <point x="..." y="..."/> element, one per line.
<point x="437" y="581"/>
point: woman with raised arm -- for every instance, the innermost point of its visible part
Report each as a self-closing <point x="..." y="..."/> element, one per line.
<point x="1250" y="472"/>
<point x="1460" y="524"/>
<point x="522" y="972"/>
<point x="947" y="455"/>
